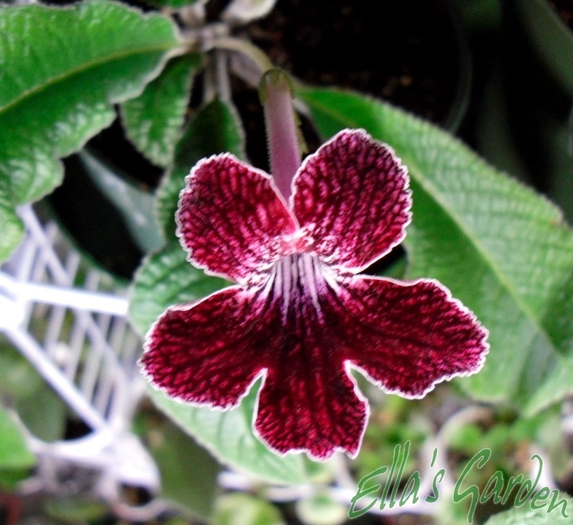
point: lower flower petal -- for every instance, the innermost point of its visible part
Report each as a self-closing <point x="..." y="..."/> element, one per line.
<point x="410" y="336"/>
<point x="308" y="401"/>
<point x="211" y="352"/>
<point x="205" y="353"/>
<point x="302" y="330"/>
<point x="311" y="405"/>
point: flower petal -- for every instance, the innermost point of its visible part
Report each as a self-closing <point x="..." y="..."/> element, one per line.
<point x="204" y="353"/>
<point x="351" y="197"/>
<point x="212" y="352"/>
<point x="311" y="405"/>
<point x="308" y="400"/>
<point x="231" y="219"/>
<point x="409" y="336"/>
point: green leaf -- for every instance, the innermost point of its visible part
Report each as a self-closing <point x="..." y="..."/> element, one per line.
<point x="11" y="478"/>
<point x="215" y="129"/>
<point x="14" y="453"/>
<point x="550" y="37"/>
<point x="61" y="69"/>
<point x="135" y="204"/>
<point x="546" y="515"/>
<point x="153" y="121"/>
<point x="188" y="472"/>
<point x="166" y="278"/>
<point x="30" y="395"/>
<point x="501" y="249"/>
<point x="12" y="227"/>
<point x="228" y="436"/>
<point x="244" y="509"/>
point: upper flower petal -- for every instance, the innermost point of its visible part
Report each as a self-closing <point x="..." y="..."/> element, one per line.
<point x="409" y="336"/>
<point x="204" y="353"/>
<point x="231" y="219"/>
<point x="351" y="198"/>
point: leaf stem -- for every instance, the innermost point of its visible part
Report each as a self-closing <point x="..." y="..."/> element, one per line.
<point x="222" y="75"/>
<point x="247" y="49"/>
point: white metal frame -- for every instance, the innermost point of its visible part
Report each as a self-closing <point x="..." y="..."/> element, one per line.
<point x="71" y="325"/>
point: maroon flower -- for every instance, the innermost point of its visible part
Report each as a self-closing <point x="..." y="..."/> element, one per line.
<point x="301" y="316"/>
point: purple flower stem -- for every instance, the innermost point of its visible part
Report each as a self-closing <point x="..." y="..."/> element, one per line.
<point x="282" y="136"/>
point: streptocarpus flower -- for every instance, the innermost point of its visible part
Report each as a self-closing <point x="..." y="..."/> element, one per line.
<point x="301" y="315"/>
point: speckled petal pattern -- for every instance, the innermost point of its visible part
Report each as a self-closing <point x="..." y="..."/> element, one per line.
<point x="351" y="199"/>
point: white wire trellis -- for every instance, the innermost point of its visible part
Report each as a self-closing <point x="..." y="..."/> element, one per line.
<point x="70" y="323"/>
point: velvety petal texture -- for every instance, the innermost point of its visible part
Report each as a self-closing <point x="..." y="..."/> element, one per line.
<point x="308" y="401"/>
<point x="409" y="336"/>
<point x="206" y="353"/>
<point x="231" y="219"/>
<point x="352" y="201"/>
<point x="301" y="317"/>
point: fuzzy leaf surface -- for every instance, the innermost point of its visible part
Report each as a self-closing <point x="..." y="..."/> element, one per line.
<point x="61" y="69"/>
<point x="166" y="278"/>
<point x="153" y="121"/>
<point x="501" y="249"/>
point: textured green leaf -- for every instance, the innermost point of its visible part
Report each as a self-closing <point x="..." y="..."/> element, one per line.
<point x="215" y="129"/>
<point x="12" y="227"/>
<point x="153" y="121"/>
<point x="14" y="453"/>
<point x="501" y="249"/>
<point x="61" y="69"/>
<point x="562" y="513"/>
<point x="228" y="436"/>
<point x="166" y="278"/>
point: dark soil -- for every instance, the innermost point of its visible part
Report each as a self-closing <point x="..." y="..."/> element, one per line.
<point x="405" y="52"/>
